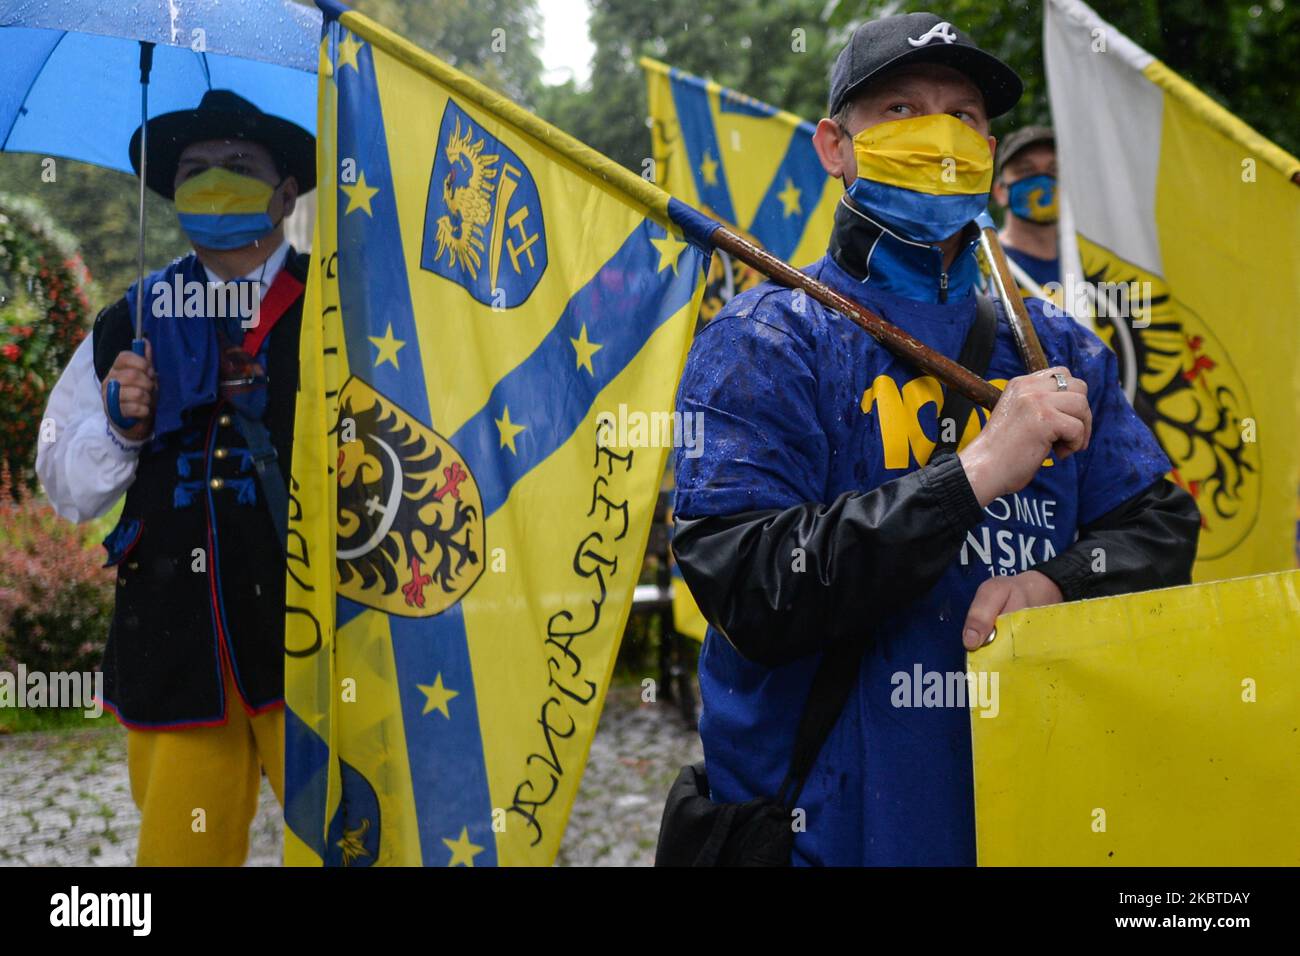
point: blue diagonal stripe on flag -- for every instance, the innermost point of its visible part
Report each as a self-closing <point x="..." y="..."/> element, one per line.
<point x="445" y="755"/>
<point x="549" y="414"/>
<point x="799" y="168"/>
<point x="701" y="139"/>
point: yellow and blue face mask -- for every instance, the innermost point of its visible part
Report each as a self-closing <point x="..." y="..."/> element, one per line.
<point x="923" y="177"/>
<point x="1034" y="198"/>
<point x="219" y="209"/>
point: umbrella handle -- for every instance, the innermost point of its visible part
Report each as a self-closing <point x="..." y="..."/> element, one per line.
<point x="115" y="395"/>
<point x="146" y="67"/>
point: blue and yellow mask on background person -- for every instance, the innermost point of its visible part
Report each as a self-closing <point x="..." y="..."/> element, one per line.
<point x="1034" y="198"/>
<point x="219" y="209"/>
<point x="923" y="177"/>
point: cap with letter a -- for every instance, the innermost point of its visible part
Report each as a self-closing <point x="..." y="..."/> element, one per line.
<point x="881" y="45"/>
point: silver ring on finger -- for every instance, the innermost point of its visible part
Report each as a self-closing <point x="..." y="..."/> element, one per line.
<point x="1062" y="384"/>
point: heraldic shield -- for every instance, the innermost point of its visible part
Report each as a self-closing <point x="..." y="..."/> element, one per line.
<point x="410" y="518"/>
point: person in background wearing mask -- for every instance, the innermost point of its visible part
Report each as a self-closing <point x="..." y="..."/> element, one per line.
<point x="828" y="507"/>
<point x="196" y="432"/>
<point x="1024" y="183"/>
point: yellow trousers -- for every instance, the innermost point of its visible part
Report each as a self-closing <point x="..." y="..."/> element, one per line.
<point x="197" y="788"/>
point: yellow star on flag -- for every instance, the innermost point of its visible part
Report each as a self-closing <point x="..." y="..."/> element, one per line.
<point x="437" y="696"/>
<point x="462" y="850"/>
<point x="709" y="168"/>
<point x="670" y="248"/>
<point x="789" y="198"/>
<point x="359" y="195"/>
<point x="349" y="46"/>
<point x="388" y="347"/>
<point x="508" y="430"/>
<point x="585" y="350"/>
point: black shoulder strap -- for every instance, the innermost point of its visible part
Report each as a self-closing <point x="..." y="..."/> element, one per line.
<point x="838" y="670"/>
<point x="976" y="353"/>
<point x="258" y="436"/>
<point x="274" y="490"/>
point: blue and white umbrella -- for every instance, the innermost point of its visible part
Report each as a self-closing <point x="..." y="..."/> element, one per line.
<point x="70" y="69"/>
<point x="76" y="77"/>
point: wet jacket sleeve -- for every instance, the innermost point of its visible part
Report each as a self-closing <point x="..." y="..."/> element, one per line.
<point x="784" y="583"/>
<point x="1147" y="542"/>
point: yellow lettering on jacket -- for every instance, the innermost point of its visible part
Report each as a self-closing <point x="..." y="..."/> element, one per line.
<point x="899" y="413"/>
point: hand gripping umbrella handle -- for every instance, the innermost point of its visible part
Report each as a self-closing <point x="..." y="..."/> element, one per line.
<point x="115" y="395"/>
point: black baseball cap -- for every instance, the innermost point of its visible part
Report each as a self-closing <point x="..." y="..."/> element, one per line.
<point x="1021" y="139"/>
<point x="881" y="45"/>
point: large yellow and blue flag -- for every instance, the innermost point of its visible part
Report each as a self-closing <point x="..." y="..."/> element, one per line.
<point x="487" y="295"/>
<point x="1175" y="199"/>
<point x="752" y="167"/>
<point x="746" y="163"/>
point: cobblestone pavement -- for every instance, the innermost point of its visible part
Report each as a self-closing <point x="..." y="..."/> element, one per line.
<point x="637" y="752"/>
<point x="65" y="798"/>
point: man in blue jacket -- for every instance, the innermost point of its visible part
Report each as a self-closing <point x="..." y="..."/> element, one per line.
<point x="819" y="511"/>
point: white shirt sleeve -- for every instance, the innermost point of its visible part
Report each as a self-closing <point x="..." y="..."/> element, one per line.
<point x="84" y="466"/>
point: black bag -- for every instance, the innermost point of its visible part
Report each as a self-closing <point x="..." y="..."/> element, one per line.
<point x="698" y="832"/>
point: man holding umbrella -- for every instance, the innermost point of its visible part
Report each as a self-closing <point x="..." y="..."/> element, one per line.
<point x="197" y="432"/>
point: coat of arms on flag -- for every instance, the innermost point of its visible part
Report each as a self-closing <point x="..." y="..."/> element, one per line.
<point x="464" y="546"/>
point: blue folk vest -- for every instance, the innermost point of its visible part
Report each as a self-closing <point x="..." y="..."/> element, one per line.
<point x="200" y="570"/>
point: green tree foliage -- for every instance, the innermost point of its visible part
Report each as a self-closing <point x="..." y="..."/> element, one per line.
<point x="776" y="50"/>
<point x="1245" y="55"/>
<point x="99" y="207"/>
<point x="43" y="308"/>
<point x="494" y="41"/>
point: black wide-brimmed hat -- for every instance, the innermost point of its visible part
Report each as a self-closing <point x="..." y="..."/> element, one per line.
<point x="879" y="46"/>
<point x="223" y="115"/>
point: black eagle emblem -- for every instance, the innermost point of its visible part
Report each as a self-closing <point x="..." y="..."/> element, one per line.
<point x="410" y="519"/>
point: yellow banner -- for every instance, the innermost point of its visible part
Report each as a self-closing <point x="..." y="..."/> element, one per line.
<point x="1151" y="729"/>
<point x="1189" y="230"/>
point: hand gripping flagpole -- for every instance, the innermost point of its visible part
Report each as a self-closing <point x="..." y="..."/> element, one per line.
<point x="137" y="343"/>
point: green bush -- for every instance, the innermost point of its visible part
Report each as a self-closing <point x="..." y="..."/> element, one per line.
<point x="55" y="599"/>
<point x="44" y="311"/>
